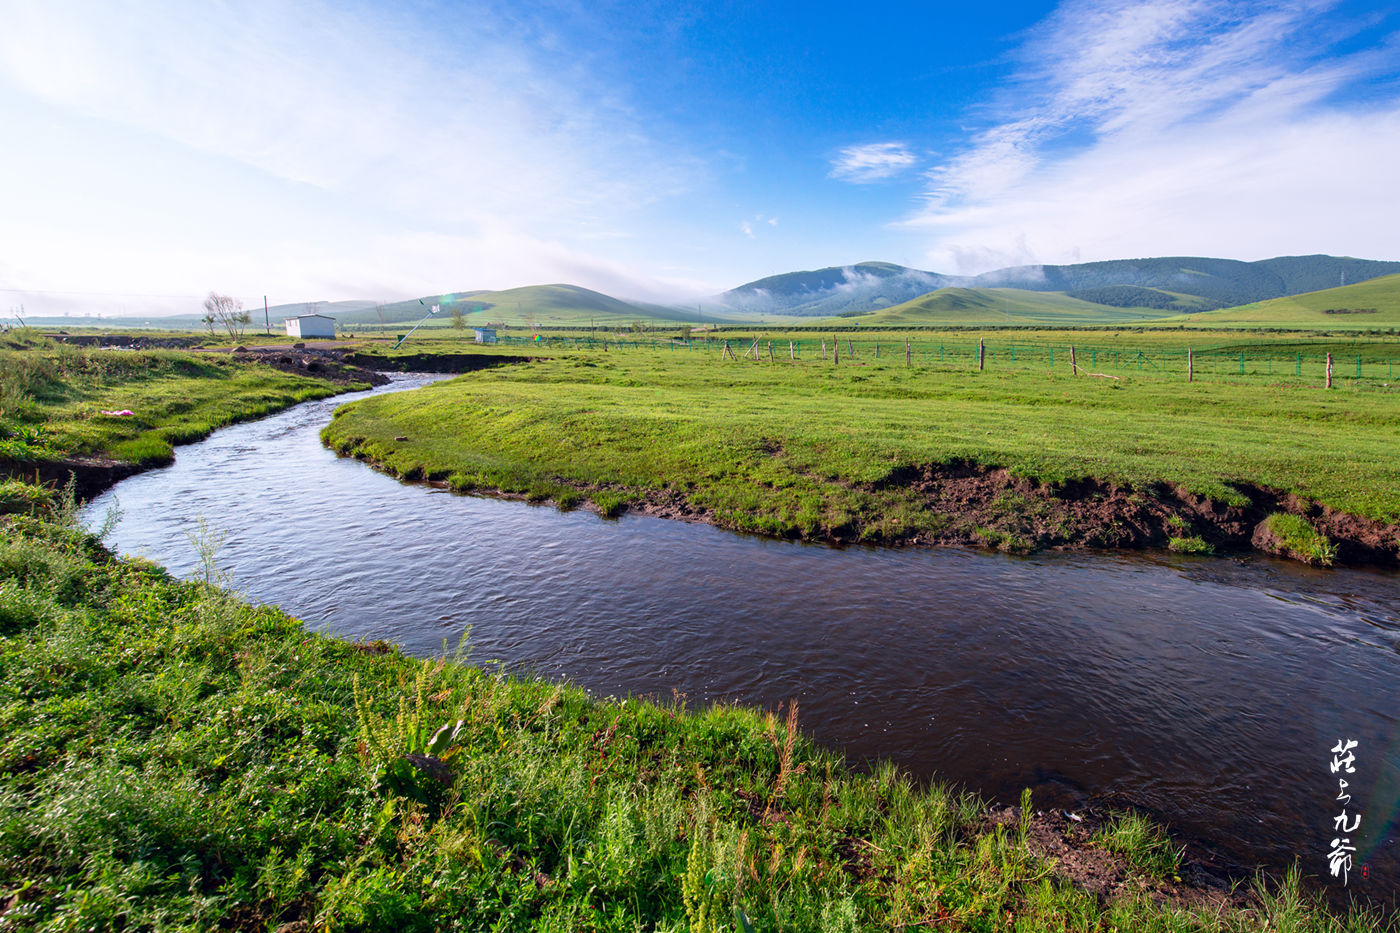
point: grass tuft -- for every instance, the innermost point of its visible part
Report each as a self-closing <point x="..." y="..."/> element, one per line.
<point x="1301" y="540"/>
<point x="1193" y="544"/>
<point x="1143" y="843"/>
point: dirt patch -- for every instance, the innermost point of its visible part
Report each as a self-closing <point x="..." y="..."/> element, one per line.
<point x="1066" y="842"/>
<point x="91" y="475"/>
<point x="987" y="507"/>
<point x="330" y="365"/>
<point x="991" y="508"/>
<point x="431" y="362"/>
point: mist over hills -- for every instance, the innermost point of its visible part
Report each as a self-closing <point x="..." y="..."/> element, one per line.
<point x="1180" y="283"/>
<point x="865" y="291"/>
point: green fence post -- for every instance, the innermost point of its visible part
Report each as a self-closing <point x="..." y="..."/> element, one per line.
<point x="1094" y="358"/>
<point x="1358" y="367"/>
<point x="1052" y="357"/>
<point x="1298" y="369"/>
<point x="1241" y="362"/>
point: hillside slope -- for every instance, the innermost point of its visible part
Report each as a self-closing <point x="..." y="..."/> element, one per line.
<point x="1374" y="304"/>
<point x="1182" y="283"/>
<point x="1002" y="306"/>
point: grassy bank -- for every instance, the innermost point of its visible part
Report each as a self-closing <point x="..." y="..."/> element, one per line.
<point x="173" y="758"/>
<point x="55" y="401"/>
<point x="877" y="451"/>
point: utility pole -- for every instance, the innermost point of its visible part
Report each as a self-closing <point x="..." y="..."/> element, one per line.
<point x="267" y="322"/>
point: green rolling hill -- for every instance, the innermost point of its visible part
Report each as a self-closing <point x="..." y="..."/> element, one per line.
<point x="542" y="305"/>
<point x="1171" y="283"/>
<point x="989" y="306"/>
<point x="1370" y="305"/>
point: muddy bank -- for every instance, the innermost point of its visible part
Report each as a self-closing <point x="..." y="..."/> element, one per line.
<point x="125" y="341"/>
<point x="431" y="362"/>
<point x="987" y="507"/>
<point x="329" y="365"/>
<point x="91" y="476"/>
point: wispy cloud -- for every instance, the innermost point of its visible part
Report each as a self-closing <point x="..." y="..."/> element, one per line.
<point x="471" y="129"/>
<point x="746" y="227"/>
<point x="1154" y="126"/>
<point x="870" y="163"/>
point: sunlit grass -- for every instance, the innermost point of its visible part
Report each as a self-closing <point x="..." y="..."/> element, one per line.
<point x="807" y="447"/>
<point x="173" y="758"/>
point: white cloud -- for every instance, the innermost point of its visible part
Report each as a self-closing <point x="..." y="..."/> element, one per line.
<point x="870" y="163"/>
<point x="746" y="227"/>
<point x="372" y="122"/>
<point x="1147" y="127"/>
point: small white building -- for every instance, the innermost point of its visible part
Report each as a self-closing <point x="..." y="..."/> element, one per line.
<point x="485" y="334"/>
<point x="310" y="325"/>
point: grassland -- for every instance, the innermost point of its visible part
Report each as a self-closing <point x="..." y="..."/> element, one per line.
<point x="53" y="398"/>
<point x="992" y="306"/>
<point x="559" y="305"/>
<point x="172" y="758"/>
<point x="863" y="450"/>
<point x="1370" y="305"/>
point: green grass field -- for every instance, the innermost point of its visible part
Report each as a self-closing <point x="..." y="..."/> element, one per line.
<point x="52" y="399"/>
<point x="1370" y="305"/>
<point x="174" y="759"/>
<point x="810" y="448"/>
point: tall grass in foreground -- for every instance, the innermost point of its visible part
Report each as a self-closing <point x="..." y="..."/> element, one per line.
<point x="174" y="758"/>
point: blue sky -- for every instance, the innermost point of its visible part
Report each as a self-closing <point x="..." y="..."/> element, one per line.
<point x="158" y="150"/>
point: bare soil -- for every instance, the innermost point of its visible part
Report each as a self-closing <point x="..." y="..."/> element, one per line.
<point x="988" y="507"/>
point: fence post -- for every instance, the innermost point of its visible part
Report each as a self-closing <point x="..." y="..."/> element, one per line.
<point x="850" y="348"/>
<point x="1358" y="367"/>
<point x="906" y="353"/>
<point x="981" y="354"/>
<point x="792" y="352"/>
<point x="1190" y="366"/>
<point x="877" y="349"/>
<point x="835" y="352"/>
<point x="823" y="348"/>
<point x="1329" y="370"/>
<point x="770" y="351"/>
<point x="1073" y="369"/>
<point x="1241" y="362"/>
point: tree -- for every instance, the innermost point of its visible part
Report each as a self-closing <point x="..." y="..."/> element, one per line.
<point x="457" y="320"/>
<point x="227" y="312"/>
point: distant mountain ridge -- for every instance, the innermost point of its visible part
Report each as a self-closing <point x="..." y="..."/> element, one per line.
<point x="1214" y="283"/>
<point x="525" y="305"/>
<point x="1167" y="285"/>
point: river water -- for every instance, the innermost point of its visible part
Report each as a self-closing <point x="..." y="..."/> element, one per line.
<point x="1207" y="692"/>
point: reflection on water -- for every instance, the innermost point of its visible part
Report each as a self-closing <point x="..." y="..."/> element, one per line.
<point x="1205" y="691"/>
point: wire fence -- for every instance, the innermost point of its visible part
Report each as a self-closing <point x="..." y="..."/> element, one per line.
<point x="1377" y="363"/>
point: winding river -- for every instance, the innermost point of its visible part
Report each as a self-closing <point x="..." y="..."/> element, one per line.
<point x="1207" y="692"/>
